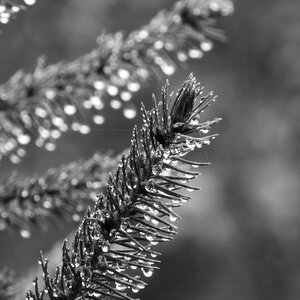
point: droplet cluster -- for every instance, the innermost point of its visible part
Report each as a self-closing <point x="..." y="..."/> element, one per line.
<point x="112" y="250"/>
<point x="60" y="193"/>
<point x="40" y="106"/>
<point x="8" y="10"/>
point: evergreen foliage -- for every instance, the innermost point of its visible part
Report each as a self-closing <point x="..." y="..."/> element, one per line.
<point x="136" y="211"/>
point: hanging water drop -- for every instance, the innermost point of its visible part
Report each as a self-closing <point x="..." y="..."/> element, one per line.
<point x="84" y="129"/>
<point x="154" y="222"/>
<point x="182" y="56"/>
<point x="150" y="237"/>
<point x="168" y="69"/>
<point x="120" y="287"/>
<point x="206" y="45"/>
<point x="30" y="2"/>
<point x="173" y="218"/>
<point x="147" y="272"/>
<point x="25" y="233"/>
<point x="126" y="96"/>
<point x="129" y="112"/>
<point x="24" y="139"/>
<point x="115" y="104"/>
<point x="112" y="90"/>
<point x="75" y="217"/>
<point x="123" y="73"/>
<point x="14" y="159"/>
<point x="195" y="53"/>
<point x="98" y="119"/>
<point x="70" y="109"/>
<point x="205" y="130"/>
<point x="99" y="85"/>
<point x="135" y="289"/>
<point x="147" y="217"/>
<point x="50" y="146"/>
<point x="105" y="248"/>
<point x="133" y="86"/>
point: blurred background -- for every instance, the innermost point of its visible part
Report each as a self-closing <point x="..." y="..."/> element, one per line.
<point x="239" y="238"/>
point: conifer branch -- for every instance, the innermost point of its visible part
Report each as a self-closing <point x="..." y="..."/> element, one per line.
<point x="64" y="192"/>
<point x="42" y="104"/>
<point x="136" y="211"/>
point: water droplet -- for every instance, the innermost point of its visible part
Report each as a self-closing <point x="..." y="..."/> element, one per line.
<point x="120" y="287"/>
<point x="14" y="159"/>
<point x="87" y="104"/>
<point x="112" y="90"/>
<point x="154" y="221"/>
<point x="123" y="73"/>
<point x="189" y="176"/>
<point x="129" y="112"/>
<point x="55" y="134"/>
<point x="126" y="96"/>
<point x="176" y="201"/>
<point x="2" y="225"/>
<point x="70" y="109"/>
<point x="168" y="69"/>
<point x="25" y="233"/>
<point x="50" y="94"/>
<point x="97" y="102"/>
<point x="147" y="217"/>
<point x="30" y="2"/>
<point x="115" y="104"/>
<point x="133" y="86"/>
<point x="135" y="289"/>
<point x="99" y="85"/>
<point x="24" y="139"/>
<point x="57" y="121"/>
<point x="158" y="44"/>
<point x="182" y="56"/>
<point x="98" y="119"/>
<point x="105" y="248"/>
<point x="40" y="112"/>
<point x="47" y="203"/>
<point x="205" y="130"/>
<point x="50" y="146"/>
<point x="141" y="285"/>
<point x="84" y="129"/>
<point x="15" y="9"/>
<point x="150" y="237"/>
<point x="147" y="272"/>
<point x="173" y="218"/>
<point x="206" y="142"/>
<point x="195" y="53"/>
<point x="206" y="45"/>
<point x="75" y="217"/>
<point x="199" y="145"/>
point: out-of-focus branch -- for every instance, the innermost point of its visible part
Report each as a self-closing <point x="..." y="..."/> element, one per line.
<point x="64" y="192"/>
<point x="42" y="104"/>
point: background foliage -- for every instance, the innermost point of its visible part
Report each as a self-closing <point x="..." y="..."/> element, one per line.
<point x="242" y="235"/>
